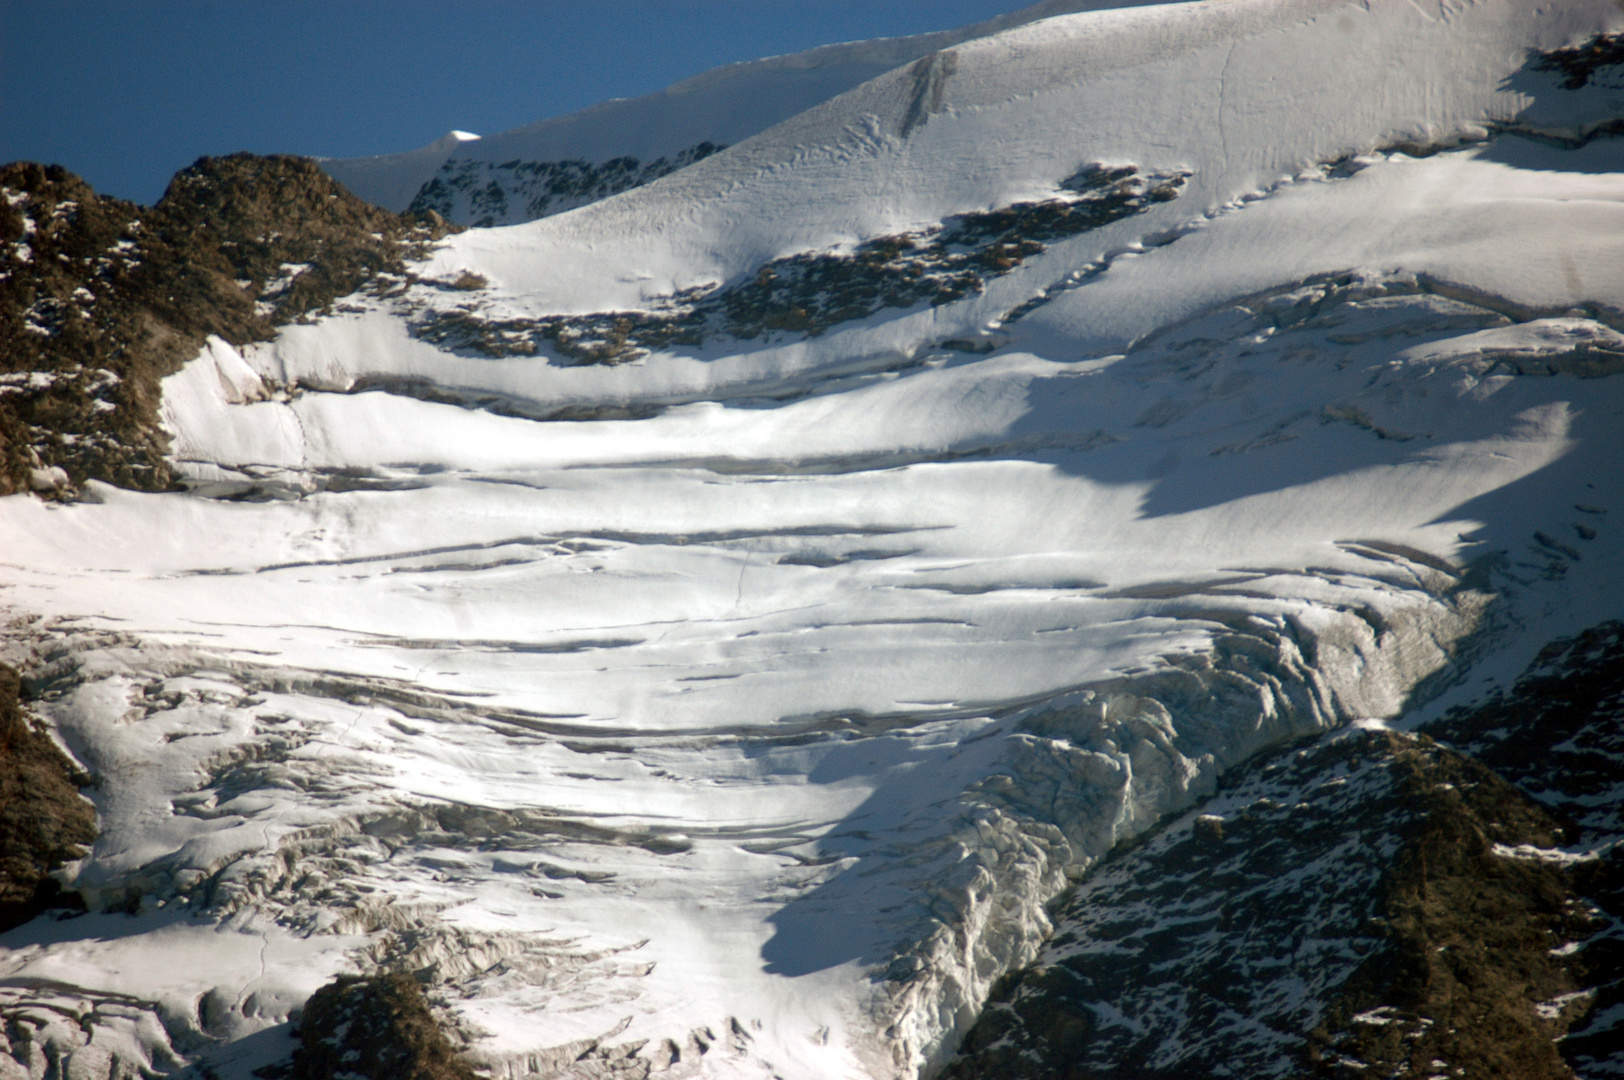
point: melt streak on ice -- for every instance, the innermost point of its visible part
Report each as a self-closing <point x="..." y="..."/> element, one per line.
<point x="740" y="706"/>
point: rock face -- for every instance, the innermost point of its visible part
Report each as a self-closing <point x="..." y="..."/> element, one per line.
<point x="43" y="819"/>
<point x="1368" y="901"/>
<point x="379" y="1028"/>
<point x="101" y="298"/>
<point x="486" y="193"/>
<point x="813" y="293"/>
<point x="1558" y="734"/>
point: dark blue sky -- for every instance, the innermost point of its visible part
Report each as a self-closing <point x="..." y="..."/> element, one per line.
<point x="125" y="92"/>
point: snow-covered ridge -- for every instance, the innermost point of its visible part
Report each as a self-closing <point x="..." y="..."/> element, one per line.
<point x="487" y="193"/>
<point x="740" y="707"/>
<point x="551" y="165"/>
<point x="1008" y="117"/>
<point x="393" y="180"/>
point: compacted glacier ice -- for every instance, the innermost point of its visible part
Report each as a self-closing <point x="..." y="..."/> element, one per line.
<point x="735" y="707"/>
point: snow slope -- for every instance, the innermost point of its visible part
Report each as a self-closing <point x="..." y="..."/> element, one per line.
<point x="718" y="107"/>
<point x="391" y="180"/>
<point x="738" y="708"/>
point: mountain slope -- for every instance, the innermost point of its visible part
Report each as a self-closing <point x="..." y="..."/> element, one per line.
<point x="706" y="631"/>
<point x="1371" y="900"/>
<point x="89" y="308"/>
<point x="555" y="165"/>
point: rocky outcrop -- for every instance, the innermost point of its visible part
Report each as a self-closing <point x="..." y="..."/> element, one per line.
<point x="1558" y="734"/>
<point x="1581" y="63"/>
<point x="809" y="293"/>
<point x="1369" y="901"/>
<point x="101" y="298"/>
<point x="379" y="1028"/>
<point x="43" y="819"/>
<point x="487" y="193"/>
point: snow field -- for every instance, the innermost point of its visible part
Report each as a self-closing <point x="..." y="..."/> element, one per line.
<point x="759" y="719"/>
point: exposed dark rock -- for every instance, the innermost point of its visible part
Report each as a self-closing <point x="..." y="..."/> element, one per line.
<point x="101" y="298"/>
<point x="43" y="819"/>
<point x="1558" y="734"/>
<point x="485" y="193"/>
<point x="808" y="294"/>
<point x="1475" y="910"/>
<point x="1370" y="904"/>
<point x="376" y="1028"/>
<point x="1580" y="63"/>
<point x="1341" y="909"/>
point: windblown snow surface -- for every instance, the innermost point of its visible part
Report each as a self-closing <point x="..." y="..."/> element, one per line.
<point x="560" y="163"/>
<point x="737" y="708"/>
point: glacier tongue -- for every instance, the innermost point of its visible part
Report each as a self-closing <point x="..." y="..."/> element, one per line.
<point x="738" y="710"/>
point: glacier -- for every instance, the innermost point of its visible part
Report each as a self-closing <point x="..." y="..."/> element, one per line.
<point x="738" y="708"/>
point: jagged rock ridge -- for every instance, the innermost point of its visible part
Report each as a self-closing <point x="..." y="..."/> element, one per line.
<point x="101" y="298"/>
